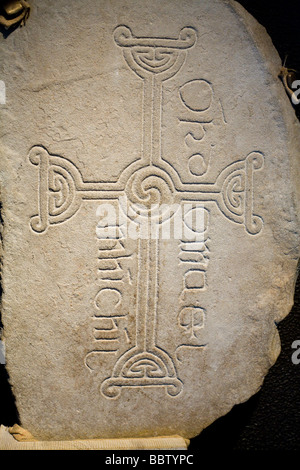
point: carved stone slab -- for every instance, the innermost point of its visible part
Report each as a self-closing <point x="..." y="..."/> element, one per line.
<point x="149" y="168"/>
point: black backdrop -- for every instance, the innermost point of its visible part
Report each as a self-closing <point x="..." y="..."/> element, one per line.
<point x="270" y="420"/>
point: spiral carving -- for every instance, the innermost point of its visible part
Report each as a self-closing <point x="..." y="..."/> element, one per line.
<point x="148" y="189"/>
<point x="234" y="192"/>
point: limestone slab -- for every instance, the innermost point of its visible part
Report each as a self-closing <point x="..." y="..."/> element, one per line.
<point x="123" y="120"/>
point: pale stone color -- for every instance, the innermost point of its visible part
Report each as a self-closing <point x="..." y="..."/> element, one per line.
<point x="176" y="102"/>
<point x="16" y="438"/>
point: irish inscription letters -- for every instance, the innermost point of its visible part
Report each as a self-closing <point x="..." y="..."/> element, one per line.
<point x="149" y="215"/>
<point x="150" y="179"/>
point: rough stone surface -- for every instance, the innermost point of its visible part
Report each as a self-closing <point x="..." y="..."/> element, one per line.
<point x="174" y="102"/>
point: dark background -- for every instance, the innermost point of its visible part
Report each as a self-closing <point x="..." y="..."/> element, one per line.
<point x="270" y="420"/>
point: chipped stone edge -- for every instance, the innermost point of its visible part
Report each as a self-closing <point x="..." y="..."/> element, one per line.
<point x="266" y="48"/>
<point x="268" y="52"/>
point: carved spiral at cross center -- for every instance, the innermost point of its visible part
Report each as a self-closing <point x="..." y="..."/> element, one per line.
<point x="151" y="189"/>
<point x="150" y="192"/>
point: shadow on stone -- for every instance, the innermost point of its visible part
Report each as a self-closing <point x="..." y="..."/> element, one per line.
<point x="8" y="410"/>
<point x="224" y="433"/>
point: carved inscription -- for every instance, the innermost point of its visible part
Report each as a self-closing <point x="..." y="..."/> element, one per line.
<point x="200" y="116"/>
<point x="150" y="180"/>
<point x="194" y="256"/>
<point x="112" y="302"/>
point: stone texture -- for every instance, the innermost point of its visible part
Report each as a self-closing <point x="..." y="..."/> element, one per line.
<point x="164" y="102"/>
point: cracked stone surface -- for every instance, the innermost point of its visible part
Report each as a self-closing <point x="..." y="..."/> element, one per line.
<point x="121" y="105"/>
